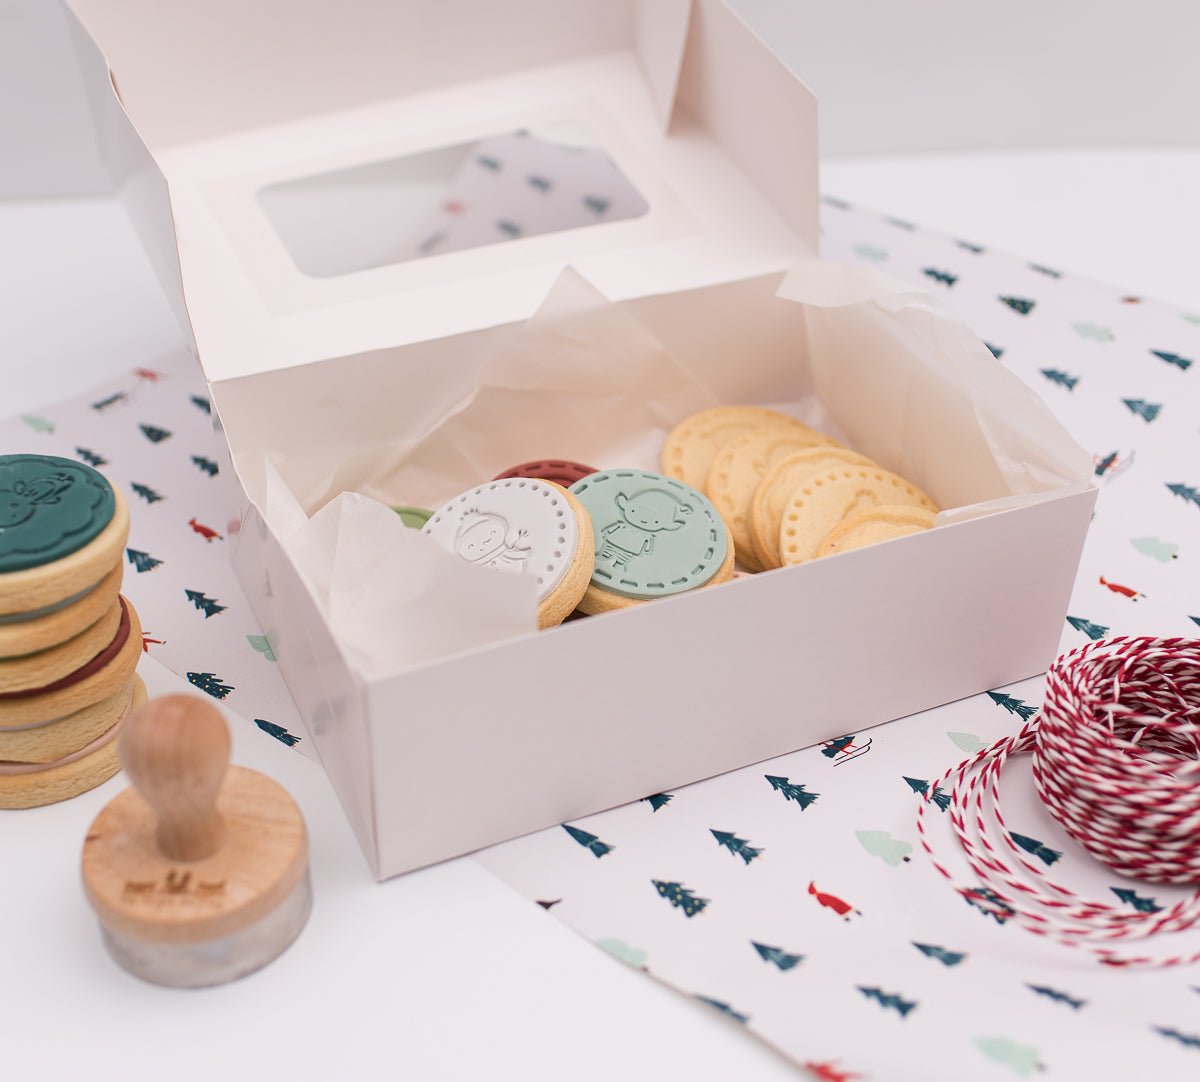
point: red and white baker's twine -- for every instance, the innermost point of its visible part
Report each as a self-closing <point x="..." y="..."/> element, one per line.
<point x="1116" y="760"/>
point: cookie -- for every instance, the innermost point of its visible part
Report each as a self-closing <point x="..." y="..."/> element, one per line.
<point x="62" y="529"/>
<point x="735" y="475"/>
<point x="766" y="506"/>
<point x="53" y="739"/>
<point x="44" y="667"/>
<point x="692" y="445"/>
<point x="527" y="527"/>
<point x="32" y="785"/>
<point x="559" y="470"/>
<point x="878" y="524"/>
<point x="102" y="677"/>
<point x="655" y="536"/>
<point x="413" y="517"/>
<point x="826" y="499"/>
<point x="26" y="633"/>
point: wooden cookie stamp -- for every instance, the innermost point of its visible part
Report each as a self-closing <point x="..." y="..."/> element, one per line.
<point x="199" y="873"/>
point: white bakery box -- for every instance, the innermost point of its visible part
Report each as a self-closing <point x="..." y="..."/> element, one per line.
<point x="279" y="158"/>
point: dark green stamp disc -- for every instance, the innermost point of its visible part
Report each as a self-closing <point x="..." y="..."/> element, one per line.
<point x="49" y="508"/>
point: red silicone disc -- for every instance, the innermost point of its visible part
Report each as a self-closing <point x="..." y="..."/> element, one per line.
<point x="558" y="470"/>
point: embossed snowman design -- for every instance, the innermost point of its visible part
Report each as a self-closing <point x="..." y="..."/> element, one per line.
<point x="17" y="504"/>
<point x="643" y="515"/>
<point x="486" y="538"/>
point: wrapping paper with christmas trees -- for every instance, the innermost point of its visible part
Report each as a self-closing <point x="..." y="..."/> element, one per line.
<point x="793" y="896"/>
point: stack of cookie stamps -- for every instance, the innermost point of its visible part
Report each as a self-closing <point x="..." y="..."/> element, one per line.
<point x="69" y="642"/>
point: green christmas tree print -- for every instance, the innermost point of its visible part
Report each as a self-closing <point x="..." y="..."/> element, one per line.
<point x="1162" y="551"/>
<point x="1014" y="706"/>
<point x="1031" y="845"/>
<point x="1147" y="411"/>
<point x="679" y="896"/>
<point x="889" y="999"/>
<point x="1187" y="1040"/>
<point x="900" y="223"/>
<point x="91" y="458"/>
<point x="260" y="644"/>
<point x="1092" y="631"/>
<point x="631" y="956"/>
<point x="879" y="843"/>
<point x="1131" y="897"/>
<point x="968" y="742"/>
<point x="872" y="252"/>
<point x="724" y="1008"/>
<point x="588" y="841"/>
<point x="947" y="958"/>
<point x="1182" y="363"/>
<point x="778" y="957"/>
<point x="739" y="847"/>
<point x="1094" y="331"/>
<point x="207" y="465"/>
<point x="921" y="787"/>
<point x="38" y="424"/>
<point x="145" y="492"/>
<point x="278" y="732"/>
<point x="142" y="561"/>
<point x="1019" y="305"/>
<point x="1057" y="996"/>
<point x="154" y="434"/>
<point x="1019" y="1058"/>
<point x="201" y="403"/>
<point x="658" y="800"/>
<point x="209" y="683"/>
<point x="792" y="792"/>
<point x="1055" y="375"/>
<point x="831" y="201"/>
<point x="1047" y="271"/>
<point x="945" y="277"/>
<point x="1186" y="492"/>
<point x="207" y="605"/>
<point x="110" y="400"/>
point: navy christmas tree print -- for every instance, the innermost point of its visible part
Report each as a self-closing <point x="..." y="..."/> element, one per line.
<point x="1131" y="897"/>
<point x="589" y="841"/>
<point x="658" y="800"/>
<point x="792" y="792"/>
<point x="201" y="403"/>
<point x="154" y="434"/>
<point x="206" y="605"/>
<point x="1019" y="305"/>
<point x="947" y="958"/>
<point x="1057" y="996"/>
<point x="1189" y="1041"/>
<point x="679" y="896"/>
<point x="889" y="999"/>
<point x="205" y="465"/>
<point x="91" y="458"/>
<point x="1055" y="375"/>
<point x="781" y="959"/>
<point x="278" y="732"/>
<point x="145" y="492"/>
<point x="988" y="902"/>
<point x="1182" y="363"/>
<point x="724" y="1008"/>
<point x="209" y="683"/>
<point x="1031" y="845"/>
<point x="1147" y="411"/>
<point x="142" y="561"/>
<point x="944" y="277"/>
<point x="1014" y="706"/>
<point x="1186" y="492"/>
<point x="1092" y="631"/>
<point x="921" y="787"/>
<point x="737" y="846"/>
<point x="109" y="400"/>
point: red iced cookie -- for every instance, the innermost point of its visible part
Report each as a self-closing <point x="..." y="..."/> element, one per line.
<point x="558" y="470"/>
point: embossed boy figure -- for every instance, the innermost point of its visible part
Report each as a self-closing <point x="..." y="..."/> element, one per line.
<point x="18" y="503"/>
<point x="485" y="538"/>
<point x="644" y="514"/>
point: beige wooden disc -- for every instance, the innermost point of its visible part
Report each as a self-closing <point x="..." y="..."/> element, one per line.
<point x="595" y="600"/>
<point x="29" y="636"/>
<point x="565" y="597"/>
<point x="46" y="666"/>
<point x="80" y="772"/>
<point x="825" y="500"/>
<point x="138" y="892"/>
<point x="880" y="524"/>
<point x="103" y="684"/>
<point x="778" y="483"/>
<point x="739" y="468"/>
<point x="37" y="587"/>
<point x="52" y="740"/>
<point x="693" y="444"/>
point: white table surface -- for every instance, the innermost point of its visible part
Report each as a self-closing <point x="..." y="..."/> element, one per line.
<point x="444" y="973"/>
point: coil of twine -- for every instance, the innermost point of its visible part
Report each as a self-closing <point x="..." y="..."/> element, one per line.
<point x="1116" y="761"/>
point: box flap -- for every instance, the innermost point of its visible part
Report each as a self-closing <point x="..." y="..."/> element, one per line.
<point x="689" y="105"/>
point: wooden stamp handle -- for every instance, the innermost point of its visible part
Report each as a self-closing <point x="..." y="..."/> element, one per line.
<point x="175" y="749"/>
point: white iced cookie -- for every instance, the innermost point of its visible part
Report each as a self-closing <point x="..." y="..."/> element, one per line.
<point x="523" y="526"/>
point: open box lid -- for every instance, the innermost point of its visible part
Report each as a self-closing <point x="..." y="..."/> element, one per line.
<point x="229" y="98"/>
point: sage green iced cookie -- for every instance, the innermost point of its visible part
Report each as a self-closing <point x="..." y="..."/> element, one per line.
<point x="655" y="536"/>
<point x="413" y="517"/>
